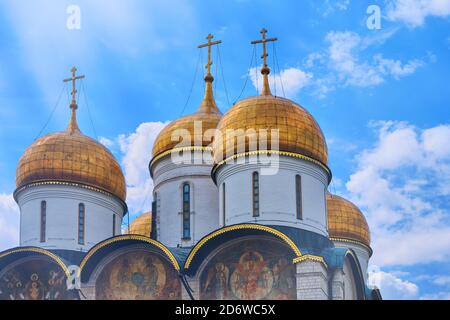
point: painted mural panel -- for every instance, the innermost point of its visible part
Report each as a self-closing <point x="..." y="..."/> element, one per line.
<point x="138" y="276"/>
<point x="35" y="280"/>
<point x="250" y="270"/>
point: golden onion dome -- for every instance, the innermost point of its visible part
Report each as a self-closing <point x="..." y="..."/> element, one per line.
<point x="142" y="225"/>
<point x="252" y="120"/>
<point x="195" y="130"/>
<point x="298" y="131"/>
<point x="71" y="157"/>
<point x="346" y="221"/>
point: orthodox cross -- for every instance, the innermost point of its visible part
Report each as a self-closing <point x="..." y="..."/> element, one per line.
<point x="264" y="40"/>
<point x="209" y="44"/>
<point x="74" y="78"/>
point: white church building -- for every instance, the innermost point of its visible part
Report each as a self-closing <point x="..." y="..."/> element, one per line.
<point x="241" y="210"/>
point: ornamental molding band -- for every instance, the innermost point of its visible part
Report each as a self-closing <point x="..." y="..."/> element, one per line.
<point x="174" y="150"/>
<point x="270" y="152"/>
<point x="70" y="184"/>
<point x="310" y="257"/>
<point x="369" y="249"/>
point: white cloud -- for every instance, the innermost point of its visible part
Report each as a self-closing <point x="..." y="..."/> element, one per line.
<point x="334" y="5"/>
<point x="106" y="142"/>
<point x="442" y="280"/>
<point x="414" y="12"/>
<point x="9" y="222"/>
<point x="393" y="287"/>
<point x="346" y="62"/>
<point x="292" y="80"/>
<point x="441" y="295"/>
<point x="136" y="149"/>
<point x="344" y="58"/>
<point x="401" y="184"/>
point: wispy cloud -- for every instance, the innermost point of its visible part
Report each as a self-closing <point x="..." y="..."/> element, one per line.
<point x="343" y="63"/>
<point x="288" y="81"/>
<point x="401" y="183"/>
<point x="393" y="287"/>
<point x="414" y="12"/>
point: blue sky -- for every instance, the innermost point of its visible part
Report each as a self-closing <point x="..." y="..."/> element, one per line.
<point x="381" y="97"/>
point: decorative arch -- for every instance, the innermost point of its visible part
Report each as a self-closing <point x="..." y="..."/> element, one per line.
<point x="132" y="267"/>
<point x="32" y="273"/>
<point x="201" y="249"/>
<point x="100" y="250"/>
<point x="357" y="273"/>
<point x="16" y="253"/>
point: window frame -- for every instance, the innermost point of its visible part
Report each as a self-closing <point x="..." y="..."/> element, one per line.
<point x="186" y="211"/>
<point x="298" y="197"/>
<point x="81" y="223"/>
<point x="43" y="221"/>
<point x="256" y="189"/>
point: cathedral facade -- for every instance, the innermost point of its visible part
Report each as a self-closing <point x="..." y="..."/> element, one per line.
<point x="241" y="210"/>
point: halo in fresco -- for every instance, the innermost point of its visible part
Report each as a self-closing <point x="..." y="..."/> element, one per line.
<point x="138" y="275"/>
<point x="37" y="279"/>
<point x="250" y="270"/>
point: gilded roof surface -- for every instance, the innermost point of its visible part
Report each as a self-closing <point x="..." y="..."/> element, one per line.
<point x="190" y="130"/>
<point x="298" y="130"/>
<point x="346" y="221"/>
<point x="142" y="225"/>
<point x="70" y="156"/>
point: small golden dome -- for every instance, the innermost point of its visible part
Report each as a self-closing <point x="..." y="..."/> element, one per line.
<point x="346" y="221"/>
<point x="142" y="225"/>
<point x="298" y="131"/>
<point x="70" y="156"/>
<point x="191" y="129"/>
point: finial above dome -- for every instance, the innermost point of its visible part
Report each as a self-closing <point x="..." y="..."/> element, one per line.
<point x="73" y="125"/>
<point x="265" y="70"/>
<point x="208" y="115"/>
<point x="208" y="104"/>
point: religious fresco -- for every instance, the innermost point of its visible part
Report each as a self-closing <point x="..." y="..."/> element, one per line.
<point x="250" y="270"/>
<point x="35" y="280"/>
<point x="138" y="276"/>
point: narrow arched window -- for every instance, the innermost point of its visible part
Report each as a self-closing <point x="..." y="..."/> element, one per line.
<point x="298" y="196"/>
<point x="114" y="225"/>
<point x="43" y="220"/>
<point x="255" y="186"/>
<point x="81" y="222"/>
<point x="223" y="204"/>
<point x="153" y="233"/>
<point x="186" y="211"/>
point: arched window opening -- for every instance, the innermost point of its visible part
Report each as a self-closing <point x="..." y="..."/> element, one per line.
<point x="43" y="220"/>
<point x="81" y="223"/>
<point x="255" y="186"/>
<point x="186" y="211"/>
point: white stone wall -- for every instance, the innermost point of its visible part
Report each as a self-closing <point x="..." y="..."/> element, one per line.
<point x="168" y="179"/>
<point x="312" y="280"/>
<point x="337" y="285"/>
<point x="277" y="194"/>
<point x="362" y="253"/>
<point x="62" y="216"/>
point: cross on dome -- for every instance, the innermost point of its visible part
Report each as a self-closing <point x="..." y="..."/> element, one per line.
<point x="74" y="78"/>
<point x="209" y="44"/>
<point x="265" y="69"/>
